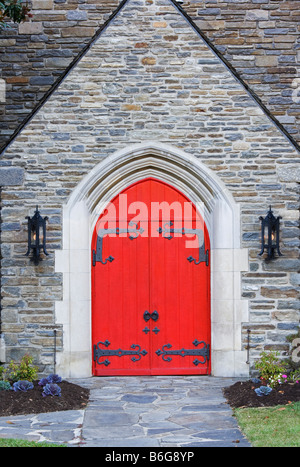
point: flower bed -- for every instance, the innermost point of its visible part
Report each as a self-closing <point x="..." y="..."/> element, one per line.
<point x="72" y="397"/>
<point x="242" y="394"/>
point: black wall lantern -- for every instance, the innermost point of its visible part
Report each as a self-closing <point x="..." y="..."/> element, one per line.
<point x="37" y="236"/>
<point x="270" y="234"/>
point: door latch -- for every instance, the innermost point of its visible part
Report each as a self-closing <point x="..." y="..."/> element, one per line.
<point x="154" y="316"/>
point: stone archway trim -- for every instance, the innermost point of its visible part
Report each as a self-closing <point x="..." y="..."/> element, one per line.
<point x="189" y="175"/>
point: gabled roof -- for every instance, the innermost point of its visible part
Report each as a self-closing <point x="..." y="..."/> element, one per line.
<point x="227" y="64"/>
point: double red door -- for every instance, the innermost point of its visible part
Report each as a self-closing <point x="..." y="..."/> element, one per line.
<point x="150" y="285"/>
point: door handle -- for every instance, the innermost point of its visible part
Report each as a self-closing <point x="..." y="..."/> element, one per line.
<point x="148" y="316"/>
<point x="155" y="315"/>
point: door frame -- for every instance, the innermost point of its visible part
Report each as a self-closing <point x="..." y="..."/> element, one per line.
<point x="222" y="217"/>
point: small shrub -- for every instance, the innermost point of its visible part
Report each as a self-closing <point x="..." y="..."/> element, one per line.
<point x="23" y="370"/>
<point x="5" y="386"/>
<point x="270" y="367"/>
<point x="2" y="372"/>
<point x="51" y="389"/>
<point x="23" y="386"/>
<point x="294" y="376"/>
<point x="15" y="10"/>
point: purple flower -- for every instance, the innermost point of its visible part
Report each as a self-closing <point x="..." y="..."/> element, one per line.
<point x="51" y="389"/>
<point x="43" y="381"/>
<point x="54" y="379"/>
<point x="22" y="385"/>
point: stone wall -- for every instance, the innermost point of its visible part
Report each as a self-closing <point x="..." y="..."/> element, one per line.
<point x="149" y="76"/>
<point x="35" y="53"/>
<point x="259" y="38"/>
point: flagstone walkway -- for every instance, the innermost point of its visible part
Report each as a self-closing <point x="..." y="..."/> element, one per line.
<point x="154" y="411"/>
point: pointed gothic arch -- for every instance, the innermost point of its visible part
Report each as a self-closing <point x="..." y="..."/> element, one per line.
<point x="221" y="214"/>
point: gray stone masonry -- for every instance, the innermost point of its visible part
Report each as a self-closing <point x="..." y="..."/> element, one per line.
<point x="11" y="176"/>
<point x="259" y="38"/>
<point x="149" y="76"/>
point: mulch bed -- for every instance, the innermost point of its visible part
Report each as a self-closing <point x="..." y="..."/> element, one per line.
<point x="73" y="397"/>
<point x="242" y="394"/>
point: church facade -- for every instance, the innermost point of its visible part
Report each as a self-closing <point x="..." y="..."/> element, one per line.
<point x="149" y="115"/>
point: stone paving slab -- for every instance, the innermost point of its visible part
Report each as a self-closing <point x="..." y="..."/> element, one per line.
<point x="154" y="411"/>
<point x="168" y="411"/>
<point x="54" y="427"/>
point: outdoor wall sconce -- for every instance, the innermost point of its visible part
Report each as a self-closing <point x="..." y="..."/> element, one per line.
<point x="270" y="235"/>
<point x="37" y="236"/>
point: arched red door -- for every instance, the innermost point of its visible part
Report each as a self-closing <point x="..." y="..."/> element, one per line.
<point x="150" y="285"/>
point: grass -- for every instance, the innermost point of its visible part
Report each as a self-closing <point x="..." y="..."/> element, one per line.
<point x="277" y="426"/>
<point x="21" y="443"/>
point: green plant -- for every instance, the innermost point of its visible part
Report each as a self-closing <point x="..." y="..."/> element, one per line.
<point x="294" y="376"/>
<point x="5" y="386"/>
<point x="2" y="372"/>
<point x="270" y="367"/>
<point x="292" y="362"/>
<point x="15" y="10"/>
<point x="23" y="370"/>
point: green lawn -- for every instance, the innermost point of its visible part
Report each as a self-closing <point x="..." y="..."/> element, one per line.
<point x="271" y="426"/>
<point x="20" y="443"/>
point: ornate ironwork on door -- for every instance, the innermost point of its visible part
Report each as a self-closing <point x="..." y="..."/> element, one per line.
<point x="168" y="233"/>
<point x="136" y="351"/>
<point x="154" y="316"/>
<point x="203" y="352"/>
<point x="132" y="229"/>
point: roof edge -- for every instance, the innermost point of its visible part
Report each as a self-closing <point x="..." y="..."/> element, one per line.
<point x="228" y="65"/>
<point x="59" y="80"/>
<point x="237" y="76"/>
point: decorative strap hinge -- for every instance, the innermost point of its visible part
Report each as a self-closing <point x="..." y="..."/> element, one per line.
<point x="132" y="229"/>
<point x="168" y="232"/>
<point x="203" y="352"/>
<point x="136" y="352"/>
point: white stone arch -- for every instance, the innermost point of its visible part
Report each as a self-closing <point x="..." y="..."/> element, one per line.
<point x="221" y="214"/>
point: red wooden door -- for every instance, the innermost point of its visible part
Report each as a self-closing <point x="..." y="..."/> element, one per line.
<point x="150" y="285"/>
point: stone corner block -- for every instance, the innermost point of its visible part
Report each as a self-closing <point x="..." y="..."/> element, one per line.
<point x="289" y="174"/>
<point x="42" y="4"/>
<point x="2" y="350"/>
<point x="31" y="28"/>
